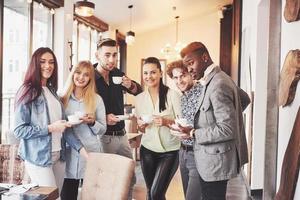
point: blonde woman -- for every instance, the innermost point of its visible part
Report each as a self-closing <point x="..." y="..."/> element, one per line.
<point x="80" y="97"/>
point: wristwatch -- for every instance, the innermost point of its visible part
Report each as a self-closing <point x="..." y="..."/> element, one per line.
<point x="192" y="133"/>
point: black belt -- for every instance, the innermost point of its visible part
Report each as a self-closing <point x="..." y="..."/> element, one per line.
<point x="116" y="133"/>
<point x="187" y="147"/>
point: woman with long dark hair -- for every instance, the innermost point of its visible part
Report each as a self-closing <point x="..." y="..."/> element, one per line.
<point x="39" y="122"/>
<point x="156" y="109"/>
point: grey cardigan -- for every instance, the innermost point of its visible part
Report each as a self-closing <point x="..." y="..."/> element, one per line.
<point x="88" y="135"/>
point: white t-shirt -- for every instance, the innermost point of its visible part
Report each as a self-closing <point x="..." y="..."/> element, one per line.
<point x="54" y="108"/>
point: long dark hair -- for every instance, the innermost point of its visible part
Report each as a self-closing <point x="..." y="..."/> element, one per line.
<point x="163" y="89"/>
<point x="31" y="88"/>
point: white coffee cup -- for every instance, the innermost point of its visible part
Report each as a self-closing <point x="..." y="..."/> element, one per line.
<point x="79" y="114"/>
<point x="73" y="118"/>
<point x="117" y="79"/>
<point x="182" y="122"/>
<point x="147" y="118"/>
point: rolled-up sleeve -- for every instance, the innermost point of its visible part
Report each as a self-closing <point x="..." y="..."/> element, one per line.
<point x="99" y="127"/>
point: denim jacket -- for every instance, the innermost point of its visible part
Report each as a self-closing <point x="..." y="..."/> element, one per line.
<point x="31" y="127"/>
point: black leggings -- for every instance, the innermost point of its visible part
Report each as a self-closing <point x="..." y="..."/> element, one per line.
<point x="70" y="189"/>
<point x="158" y="170"/>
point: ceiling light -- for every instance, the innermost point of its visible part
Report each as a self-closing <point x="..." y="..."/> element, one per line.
<point x="130" y="35"/>
<point x="172" y="52"/>
<point x="84" y="8"/>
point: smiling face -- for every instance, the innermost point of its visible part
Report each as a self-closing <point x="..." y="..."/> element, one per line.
<point x="81" y="77"/>
<point x="47" y="67"/>
<point x="107" y="56"/>
<point x="183" y="80"/>
<point x="151" y="75"/>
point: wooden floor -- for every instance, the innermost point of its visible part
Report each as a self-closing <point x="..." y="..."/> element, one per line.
<point x="236" y="188"/>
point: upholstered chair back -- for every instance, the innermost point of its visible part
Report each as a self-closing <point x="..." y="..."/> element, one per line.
<point x="107" y="176"/>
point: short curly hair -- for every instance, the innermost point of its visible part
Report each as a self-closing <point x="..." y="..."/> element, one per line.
<point x="196" y="47"/>
<point x="173" y="65"/>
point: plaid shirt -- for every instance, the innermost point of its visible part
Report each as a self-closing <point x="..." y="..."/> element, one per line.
<point x="189" y="104"/>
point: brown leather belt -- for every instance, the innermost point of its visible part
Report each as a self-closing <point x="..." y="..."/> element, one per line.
<point x="187" y="147"/>
<point x="116" y="133"/>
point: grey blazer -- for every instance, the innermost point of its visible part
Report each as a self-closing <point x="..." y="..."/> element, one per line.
<point x="220" y="146"/>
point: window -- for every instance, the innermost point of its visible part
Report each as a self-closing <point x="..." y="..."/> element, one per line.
<point x="86" y="33"/>
<point x="42" y="27"/>
<point x="16" y="65"/>
<point x="84" y="43"/>
<point x="94" y="40"/>
<point x="10" y="66"/>
<point x="16" y="48"/>
<point x="16" y="41"/>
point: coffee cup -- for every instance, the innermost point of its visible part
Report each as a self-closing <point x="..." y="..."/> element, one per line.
<point x="117" y="79"/>
<point x="182" y="122"/>
<point x="79" y="114"/>
<point x="73" y="118"/>
<point x="147" y="118"/>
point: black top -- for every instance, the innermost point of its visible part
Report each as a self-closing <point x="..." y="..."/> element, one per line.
<point x="112" y="95"/>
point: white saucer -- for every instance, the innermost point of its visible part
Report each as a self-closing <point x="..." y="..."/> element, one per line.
<point x="177" y="134"/>
<point x="122" y="117"/>
<point x="75" y="122"/>
<point x="175" y="126"/>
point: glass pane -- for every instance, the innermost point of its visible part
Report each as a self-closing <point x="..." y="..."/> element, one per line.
<point x="15" y="56"/>
<point x="74" y="43"/>
<point x="42" y="27"/>
<point x="94" y="40"/>
<point x="83" y="43"/>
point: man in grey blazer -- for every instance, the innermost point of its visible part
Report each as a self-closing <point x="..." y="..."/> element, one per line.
<point x="220" y="146"/>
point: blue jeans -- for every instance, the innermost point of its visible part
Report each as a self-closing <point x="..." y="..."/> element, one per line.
<point x="189" y="175"/>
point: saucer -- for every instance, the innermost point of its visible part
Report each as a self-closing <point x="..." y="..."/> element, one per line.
<point x="122" y="117"/>
<point x="75" y="122"/>
<point x="175" y="126"/>
<point x="177" y="134"/>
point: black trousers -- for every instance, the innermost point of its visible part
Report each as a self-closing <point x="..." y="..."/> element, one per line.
<point x="215" y="190"/>
<point x="158" y="170"/>
<point x="69" y="190"/>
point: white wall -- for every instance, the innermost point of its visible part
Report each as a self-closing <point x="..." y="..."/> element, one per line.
<point x="63" y="23"/>
<point x="255" y="28"/>
<point x="203" y="28"/>
<point x="256" y="24"/>
<point x="289" y="41"/>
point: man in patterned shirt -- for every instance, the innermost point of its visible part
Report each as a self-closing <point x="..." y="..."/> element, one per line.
<point x="191" y="94"/>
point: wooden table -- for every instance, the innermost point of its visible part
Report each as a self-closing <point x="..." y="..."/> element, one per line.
<point x="48" y="193"/>
<point x="51" y="192"/>
<point x="134" y="141"/>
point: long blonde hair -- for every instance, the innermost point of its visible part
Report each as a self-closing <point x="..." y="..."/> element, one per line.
<point x="89" y="91"/>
